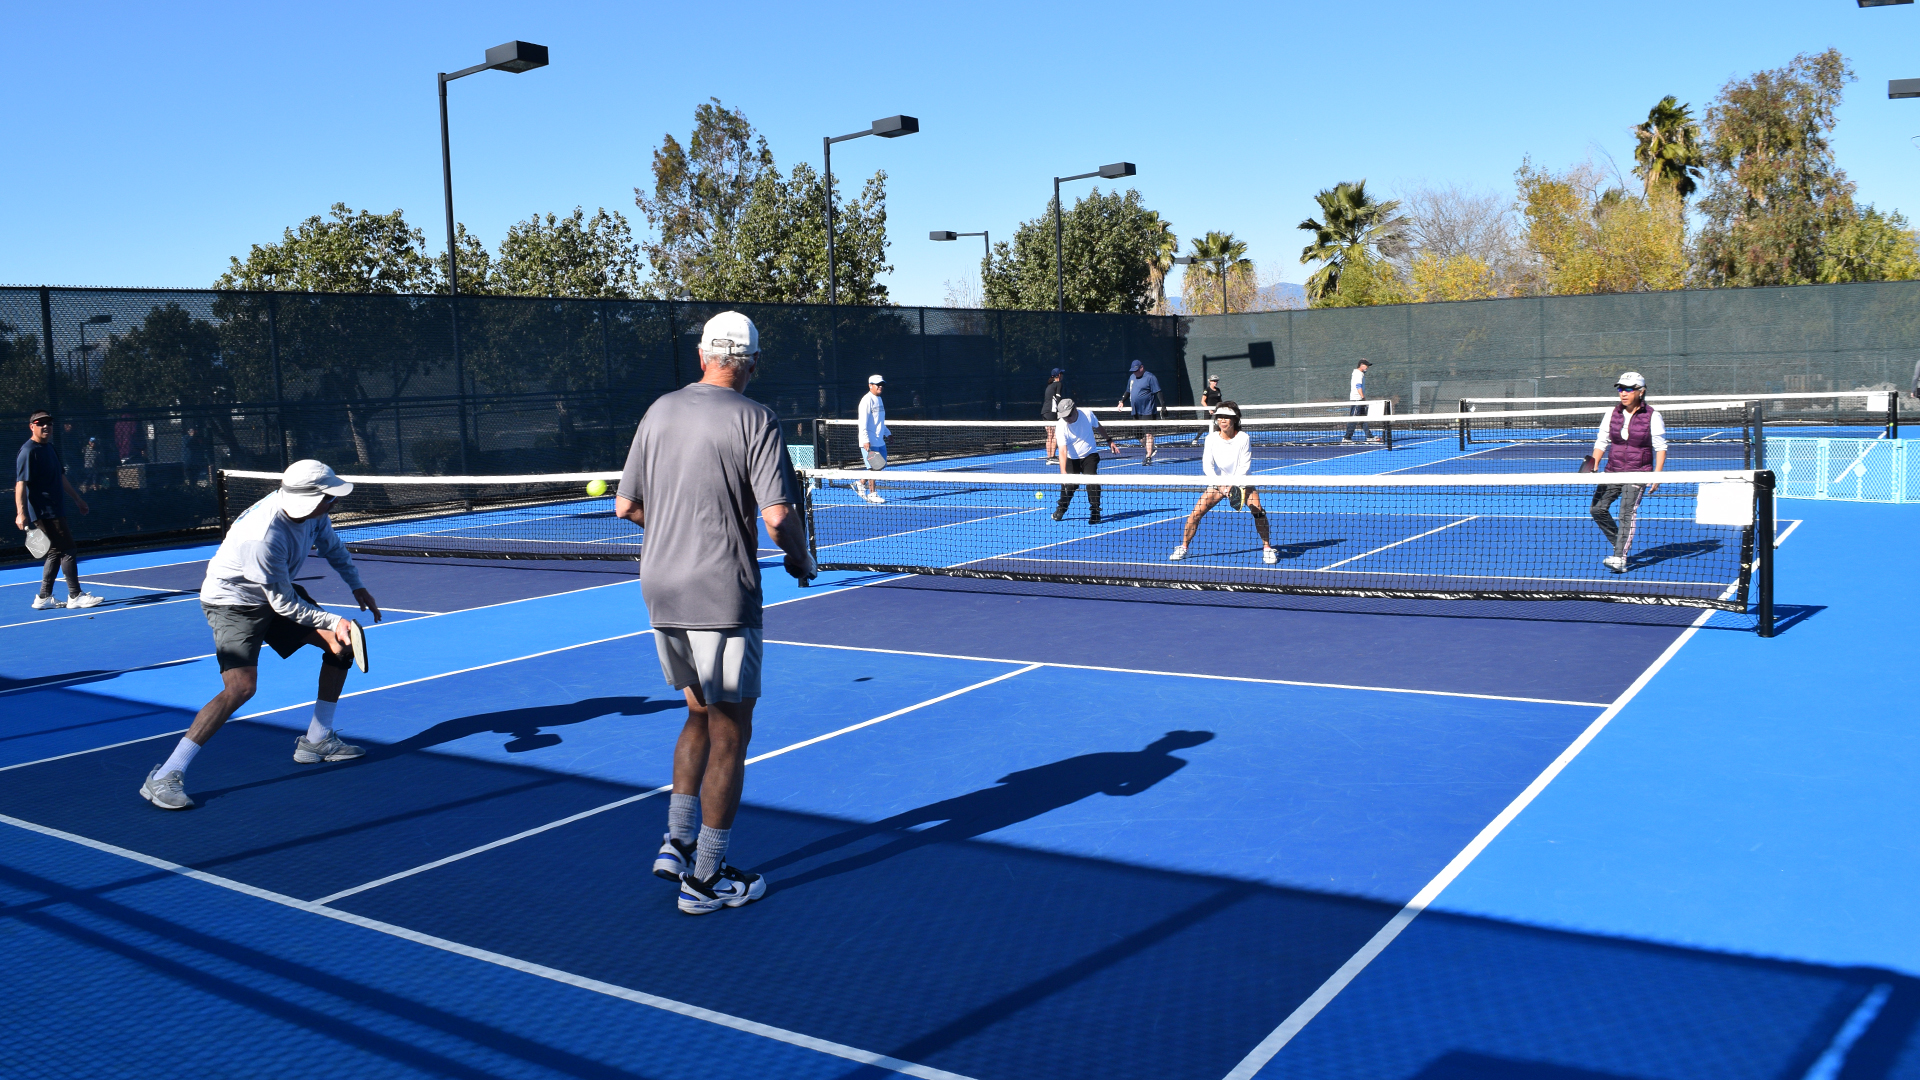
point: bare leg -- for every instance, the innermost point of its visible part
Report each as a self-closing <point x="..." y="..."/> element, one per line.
<point x="1147" y="442"/>
<point x="690" y="753"/>
<point x="710" y="760"/>
<point x="1259" y="518"/>
<point x="240" y="684"/>
<point x="1208" y="500"/>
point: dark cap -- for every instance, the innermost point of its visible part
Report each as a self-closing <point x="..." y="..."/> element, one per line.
<point x="1057" y="372"/>
<point x="37" y="414"/>
<point x="1364" y="360"/>
<point x="1137" y="366"/>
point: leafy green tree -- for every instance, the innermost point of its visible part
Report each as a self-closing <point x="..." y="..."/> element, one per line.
<point x="700" y="192"/>
<point x="1774" y="190"/>
<point x="1162" y="246"/>
<point x="355" y="251"/>
<point x="23" y="369"/>
<point x="1870" y="246"/>
<point x="1667" y="150"/>
<point x="1354" y="228"/>
<point x="170" y="358"/>
<point x="574" y="256"/>
<point x="777" y="251"/>
<point x="1108" y="243"/>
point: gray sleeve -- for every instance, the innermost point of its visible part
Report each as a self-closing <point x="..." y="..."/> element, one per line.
<point x="768" y="469"/>
<point x="266" y="563"/>
<point x="631" y="487"/>
<point x="1916" y="373"/>
<point x="327" y="543"/>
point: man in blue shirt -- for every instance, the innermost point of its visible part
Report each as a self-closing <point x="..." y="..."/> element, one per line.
<point x="40" y="485"/>
<point x="1143" y="394"/>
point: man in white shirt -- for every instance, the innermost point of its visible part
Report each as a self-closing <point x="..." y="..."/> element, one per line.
<point x="249" y="598"/>
<point x="1357" y="393"/>
<point x="873" y="435"/>
<point x="1078" y="433"/>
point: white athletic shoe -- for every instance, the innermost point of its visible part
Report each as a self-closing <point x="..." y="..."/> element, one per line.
<point x="329" y="749"/>
<point x="42" y="603"/>
<point x="83" y="600"/>
<point x="674" y="860"/>
<point x="1178" y="554"/>
<point x="726" y="888"/>
<point x="1268" y="555"/>
<point x="1615" y="563"/>
<point x="166" y="792"/>
<point x="873" y="497"/>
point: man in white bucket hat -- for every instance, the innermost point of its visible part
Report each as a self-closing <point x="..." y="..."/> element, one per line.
<point x="249" y="598"/>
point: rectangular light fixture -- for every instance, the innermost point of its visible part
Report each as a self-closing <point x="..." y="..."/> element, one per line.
<point x="942" y="234"/>
<point x="1116" y="170"/>
<point x="895" y="126"/>
<point x="517" y="56"/>
<point x="1883" y="3"/>
<point x="1903" y="88"/>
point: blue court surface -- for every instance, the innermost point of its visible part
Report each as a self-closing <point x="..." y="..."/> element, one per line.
<point x="1011" y="830"/>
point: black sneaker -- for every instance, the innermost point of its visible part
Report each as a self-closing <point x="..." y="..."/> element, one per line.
<point x="1058" y="514"/>
<point x="1093" y="518"/>
<point x="728" y="887"/>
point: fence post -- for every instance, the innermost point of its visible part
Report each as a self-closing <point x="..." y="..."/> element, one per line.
<point x="279" y="390"/>
<point x="1763" y="494"/>
<point x="46" y="346"/>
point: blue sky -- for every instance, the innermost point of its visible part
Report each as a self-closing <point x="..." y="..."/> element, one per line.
<point x="149" y="142"/>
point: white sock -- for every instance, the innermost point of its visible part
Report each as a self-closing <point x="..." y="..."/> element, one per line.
<point x="712" y="852"/>
<point x="321" y="725"/>
<point x="182" y="756"/>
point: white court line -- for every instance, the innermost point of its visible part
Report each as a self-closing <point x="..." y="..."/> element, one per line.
<point x="1782" y="538"/>
<point x="1397" y="543"/>
<point x="395" y="610"/>
<point x="1338" y="981"/>
<point x="736" y="1023"/>
<point x="101" y="676"/>
<point x="88" y="613"/>
<point x="616" y="804"/>
<point x="1192" y="674"/>
<point x="1828" y="1065"/>
<point x="930" y="528"/>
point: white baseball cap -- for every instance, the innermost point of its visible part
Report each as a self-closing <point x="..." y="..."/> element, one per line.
<point x="305" y="483"/>
<point x="1063" y="408"/>
<point x="1632" y="380"/>
<point x="881" y="379"/>
<point x="731" y="334"/>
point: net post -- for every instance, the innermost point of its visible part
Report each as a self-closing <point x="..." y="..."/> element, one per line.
<point x="1386" y="426"/>
<point x="1758" y="410"/>
<point x="1463" y="429"/>
<point x="220" y="493"/>
<point x="1763" y="495"/>
<point x="1893" y="415"/>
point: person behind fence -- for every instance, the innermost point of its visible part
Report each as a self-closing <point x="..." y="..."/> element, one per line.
<point x="1143" y="396"/>
<point x="1633" y="436"/>
<point x="1210" y="400"/>
<point x="40" y="491"/>
<point x="1050" y="397"/>
<point x="1078" y="432"/>
<point x="873" y="435"/>
<point x="1357" y="393"/>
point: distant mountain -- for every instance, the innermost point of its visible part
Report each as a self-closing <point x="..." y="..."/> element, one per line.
<point x="1279" y="294"/>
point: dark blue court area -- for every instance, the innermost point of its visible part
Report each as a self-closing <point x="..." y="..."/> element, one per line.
<point x="1012" y="830"/>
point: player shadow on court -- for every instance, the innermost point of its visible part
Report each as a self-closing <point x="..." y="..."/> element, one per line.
<point x="1655" y="555"/>
<point x="1017" y="797"/>
<point x="528" y="726"/>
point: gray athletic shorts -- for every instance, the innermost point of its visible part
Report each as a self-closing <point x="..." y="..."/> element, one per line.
<point x="238" y="633"/>
<point x="724" y="664"/>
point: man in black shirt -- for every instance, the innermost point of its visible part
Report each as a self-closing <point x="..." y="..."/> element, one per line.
<point x="40" y="485"/>
<point x="1050" y="404"/>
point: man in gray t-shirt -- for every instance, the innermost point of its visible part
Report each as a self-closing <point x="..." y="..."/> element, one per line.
<point x="705" y="464"/>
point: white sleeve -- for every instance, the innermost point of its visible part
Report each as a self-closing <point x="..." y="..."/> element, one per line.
<point x="1657" y="428"/>
<point x="1243" y="458"/>
<point x="1600" y="438"/>
<point x="1207" y="450"/>
<point x="264" y="563"/>
<point x="328" y="544"/>
<point x="864" y="412"/>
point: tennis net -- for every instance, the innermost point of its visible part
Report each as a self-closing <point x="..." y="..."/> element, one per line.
<point x="913" y="441"/>
<point x="545" y="516"/>
<point x="1309" y="409"/>
<point x="1692" y="541"/>
<point x="1859" y="408"/>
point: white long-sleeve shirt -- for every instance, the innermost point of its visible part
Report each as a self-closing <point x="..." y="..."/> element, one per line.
<point x="873" y="421"/>
<point x="263" y="553"/>
<point x="1222" y="456"/>
<point x="1656" y="430"/>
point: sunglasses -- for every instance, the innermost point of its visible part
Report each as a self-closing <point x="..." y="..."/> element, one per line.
<point x="42" y="422"/>
<point x="1624" y="389"/>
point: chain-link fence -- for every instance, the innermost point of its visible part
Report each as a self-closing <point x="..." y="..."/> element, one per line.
<point x="1426" y="357"/>
<point x="155" y="390"/>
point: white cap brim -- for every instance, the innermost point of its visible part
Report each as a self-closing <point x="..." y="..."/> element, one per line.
<point x="300" y="504"/>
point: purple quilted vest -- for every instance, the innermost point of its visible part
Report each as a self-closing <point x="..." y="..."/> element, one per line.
<point x="1631" y="441"/>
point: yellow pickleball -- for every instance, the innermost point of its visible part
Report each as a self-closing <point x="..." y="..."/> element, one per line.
<point x="596" y="488"/>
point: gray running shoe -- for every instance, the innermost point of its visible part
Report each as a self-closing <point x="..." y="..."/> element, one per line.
<point x="1615" y="563"/>
<point x="332" y="749"/>
<point x="167" y="792"/>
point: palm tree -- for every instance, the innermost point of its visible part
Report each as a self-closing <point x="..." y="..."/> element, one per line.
<point x="1669" y="152"/>
<point x="1162" y="246"/>
<point x="1228" y="258"/>
<point x="1353" y="229"/>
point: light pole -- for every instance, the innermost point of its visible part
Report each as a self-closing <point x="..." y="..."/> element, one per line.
<point x="514" y="57"/>
<point x="891" y="127"/>
<point x="986" y="244"/>
<point x="1105" y="172"/>
<point x="86" y="373"/>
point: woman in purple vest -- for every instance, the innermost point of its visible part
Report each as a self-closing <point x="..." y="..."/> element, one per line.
<point x="1634" y="439"/>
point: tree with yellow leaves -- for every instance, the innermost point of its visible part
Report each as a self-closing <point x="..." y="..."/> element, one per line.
<point x="1594" y="240"/>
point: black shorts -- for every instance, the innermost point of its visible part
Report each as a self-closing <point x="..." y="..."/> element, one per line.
<point x="238" y="633"/>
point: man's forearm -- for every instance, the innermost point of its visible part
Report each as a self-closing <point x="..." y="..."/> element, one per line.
<point x="624" y="507"/>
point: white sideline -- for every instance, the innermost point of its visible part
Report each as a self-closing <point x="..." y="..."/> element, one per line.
<point x="736" y="1023"/>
